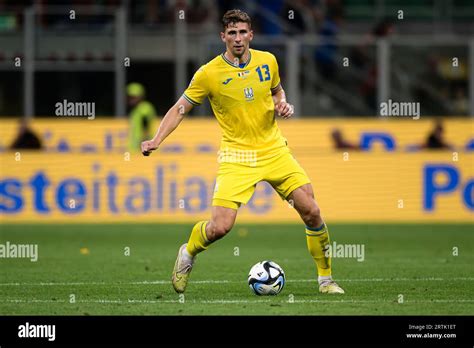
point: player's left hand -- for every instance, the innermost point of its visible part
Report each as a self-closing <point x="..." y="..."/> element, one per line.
<point x="285" y="109"/>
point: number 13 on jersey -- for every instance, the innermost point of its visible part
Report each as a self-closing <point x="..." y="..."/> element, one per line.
<point x="266" y="73"/>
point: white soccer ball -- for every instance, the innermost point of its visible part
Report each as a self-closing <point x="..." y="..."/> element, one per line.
<point x="266" y="278"/>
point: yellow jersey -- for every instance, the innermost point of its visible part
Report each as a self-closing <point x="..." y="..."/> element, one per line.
<point x="241" y="99"/>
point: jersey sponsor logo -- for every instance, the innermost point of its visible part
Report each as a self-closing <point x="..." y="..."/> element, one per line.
<point x="243" y="74"/>
<point x="227" y="81"/>
<point x="248" y="92"/>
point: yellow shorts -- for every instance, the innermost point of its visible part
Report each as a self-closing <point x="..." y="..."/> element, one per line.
<point x="235" y="182"/>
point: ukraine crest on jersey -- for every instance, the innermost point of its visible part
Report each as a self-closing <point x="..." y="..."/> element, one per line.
<point x="241" y="99"/>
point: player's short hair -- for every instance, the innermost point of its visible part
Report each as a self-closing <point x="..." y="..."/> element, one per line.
<point x="235" y="16"/>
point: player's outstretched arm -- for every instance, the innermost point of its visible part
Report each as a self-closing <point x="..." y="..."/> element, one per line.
<point x="172" y="119"/>
<point x="282" y="107"/>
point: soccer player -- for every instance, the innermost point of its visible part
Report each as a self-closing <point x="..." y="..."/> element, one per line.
<point x="142" y="115"/>
<point x="243" y="87"/>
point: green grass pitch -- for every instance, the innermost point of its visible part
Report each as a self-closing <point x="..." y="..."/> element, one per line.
<point x="409" y="262"/>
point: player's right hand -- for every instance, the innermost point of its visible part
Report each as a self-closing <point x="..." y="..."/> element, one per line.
<point x="284" y="109"/>
<point x="147" y="147"/>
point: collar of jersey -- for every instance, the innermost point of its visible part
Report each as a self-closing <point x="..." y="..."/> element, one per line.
<point x="232" y="64"/>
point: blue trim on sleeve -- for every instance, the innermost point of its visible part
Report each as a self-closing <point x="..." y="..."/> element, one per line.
<point x="316" y="229"/>
<point x="276" y="89"/>
<point x="190" y="100"/>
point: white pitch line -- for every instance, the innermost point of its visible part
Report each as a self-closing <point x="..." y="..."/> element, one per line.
<point x="34" y="301"/>
<point x="234" y="301"/>
<point x="406" y="279"/>
<point x="386" y="279"/>
<point x="152" y="282"/>
<point x="145" y="282"/>
<point x="158" y="282"/>
<point x="385" y="301"/>
<point x="222" y="301"/>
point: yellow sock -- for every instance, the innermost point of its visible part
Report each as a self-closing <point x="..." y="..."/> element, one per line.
<point x="198" y="240"/>
<point x="318" y="243"/>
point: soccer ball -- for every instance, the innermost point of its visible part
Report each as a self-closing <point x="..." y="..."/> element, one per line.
<point x="266" y="278"/>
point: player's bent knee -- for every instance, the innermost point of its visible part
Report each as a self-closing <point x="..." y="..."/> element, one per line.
<point x="315" y="211"/>
<point x="312" y="211"/>
<point x="312" y="216"/>
<point x="219" y="230"/>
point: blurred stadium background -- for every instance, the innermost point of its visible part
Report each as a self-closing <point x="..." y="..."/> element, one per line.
<point x="410" y="58"/>
<point x="339" y="59"/>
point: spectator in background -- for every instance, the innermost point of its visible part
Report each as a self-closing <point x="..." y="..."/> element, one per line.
<point x="340" y="143"/>
<point x="8" y="19"/>
<point x="435" y="139"/>
<point x="26" y="138"/>
<point x="326" y="52"/>
<point x="142" y="114"/>
<point x="361" y="59"/>
<point x="461" y="102"/>
<point x="304" y="16"/>
<point x="204" y="14"/>
<point x="359" y="55"/>
<point x="268" y="16"/>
